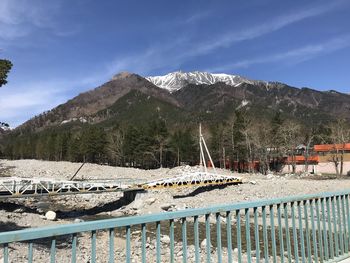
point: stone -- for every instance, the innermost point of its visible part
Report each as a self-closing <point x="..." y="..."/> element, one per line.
<point x="137" y="204"/>
<point x="166" y="206"/>
<point x="78" y="220"/>
<point x="50" y="215"/>
<point x="118" y="213"/>
<point x="253" y="182"/>
<point x="165" y="239"/>
<point x="150" y="201"/>
<point x="204" y="244"/>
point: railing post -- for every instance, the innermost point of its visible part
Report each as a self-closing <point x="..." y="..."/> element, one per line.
<point x="295" y="238"/>
<point x="229" y="236"/>
<point x="266" y="241"/>
<point x="247" y="234"/>
<point x="239" y="240"/>
<point x="256" y="230"/>
<point x="280" y="232"/>
<point x="313" y="229"/>
<point x="330" y="234"/>
<point x="184" y="239"/>
<point x="196" y="239"/>
<point x="307" y="232"/>
<point x="143" y="243"/>
<point x="207" y="236"/>
<point x="218" y="237"/>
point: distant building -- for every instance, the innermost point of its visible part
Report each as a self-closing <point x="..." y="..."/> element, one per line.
<point x="327" y="151"/>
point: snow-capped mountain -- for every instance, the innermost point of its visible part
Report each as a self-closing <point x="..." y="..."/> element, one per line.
<point x="176" y="80"/>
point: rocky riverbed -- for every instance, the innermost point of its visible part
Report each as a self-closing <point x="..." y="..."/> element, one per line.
<point x="30" y="212"/>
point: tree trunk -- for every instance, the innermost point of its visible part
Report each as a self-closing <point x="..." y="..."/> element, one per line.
<point x="161" y="156"/>
<point x="342" y="163"/>
<point x="178" y="156"/>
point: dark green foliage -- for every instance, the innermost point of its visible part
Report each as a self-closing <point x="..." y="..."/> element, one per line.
<point x="92" y="145"/>
<point x="184" y="146"/>
<point x="5" y="67"/>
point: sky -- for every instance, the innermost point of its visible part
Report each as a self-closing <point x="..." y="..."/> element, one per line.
<point x="60" y="48"/>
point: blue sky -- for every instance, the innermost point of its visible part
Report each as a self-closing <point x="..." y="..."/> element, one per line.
<point x="61" y="48"/>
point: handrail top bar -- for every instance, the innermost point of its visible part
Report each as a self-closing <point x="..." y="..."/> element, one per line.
<point x="58" y="230"/>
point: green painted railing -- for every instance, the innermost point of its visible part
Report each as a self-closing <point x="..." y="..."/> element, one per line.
<point x="308" y="228"/>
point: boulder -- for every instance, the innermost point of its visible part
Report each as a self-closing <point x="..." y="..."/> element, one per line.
<point x="204" y="244"/>
<point x="137" y="204"/>
<point x="150" y="201"/>
<point x="165" y="239"/>
<point x="50" y="215"/>
<point x="166" y="206"/>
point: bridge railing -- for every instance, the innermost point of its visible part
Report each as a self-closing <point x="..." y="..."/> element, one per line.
<point x="308" y="228"/>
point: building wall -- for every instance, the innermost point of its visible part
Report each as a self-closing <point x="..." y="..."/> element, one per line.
<point x="322" y="167"/>
<point x="327" y="157"/>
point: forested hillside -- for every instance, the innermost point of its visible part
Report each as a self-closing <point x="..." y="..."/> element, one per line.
<point x="131" y="122"/>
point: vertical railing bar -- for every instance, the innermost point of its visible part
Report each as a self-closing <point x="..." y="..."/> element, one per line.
<point x="340" y="228"/>
<point x="6" y="253"/>
<point x="111" y="245"/>
<point x="301" y="232"/>
<point x="256" y="229"/>
<point x="74" y="248"/>
<point x="266" y="241"/>
<point x="273" y="235"/>
<point x="128" y="244"/>
<point x="218" y="237"/>
<point x="158" y="242"/>
<point x="312" y="205"/>
<point x="247" y="234"/>
<point x="184" y="239"/>
<point x="295" y="237"/>
<point x="336" y="248"/>
<point x="307" y="231"/>
<point x="196" y="239"/>
<point x="345" y="234"/>
<point x="30" y="252"/>
<point x="280" y="233"/>
<point x="93" y="246"/>
<point x="286" y="223"/>
<point x="319" y="230"/>
<point x="143" y="243"/>
<point x="330" y="234"/>
<point x="229" y="236"/>
<point x="172" y="252"/>
<point x="325" y="235"/>
<point x="207" y="236"/>
<point x="239" y="241"/>
<point x="53" y="251"/>
<point x="348" y="219"/>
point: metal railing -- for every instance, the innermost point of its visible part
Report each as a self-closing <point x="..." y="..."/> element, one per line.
<point x="308" y="228"/>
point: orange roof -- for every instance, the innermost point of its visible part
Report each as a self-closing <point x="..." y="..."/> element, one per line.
<point x="331" y="147"/>
<point x="302" y="159"/>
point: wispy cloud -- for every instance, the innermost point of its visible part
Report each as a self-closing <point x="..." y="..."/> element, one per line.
<point x="155" y="57"/>
<point x="173" y="54"/>
<point x="229" y="38"/>
<point x="294" y="56"/>
<point x="21" y="18"/>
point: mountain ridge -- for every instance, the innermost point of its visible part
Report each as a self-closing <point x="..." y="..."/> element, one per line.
<point x="201" y="94"/>
<point x="176" y="80"/>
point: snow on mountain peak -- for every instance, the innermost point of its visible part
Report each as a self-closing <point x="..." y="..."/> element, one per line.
<point x="177" y="80"/>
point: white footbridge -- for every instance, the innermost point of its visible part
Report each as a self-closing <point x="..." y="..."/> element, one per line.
<point x="30" y="187"/>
